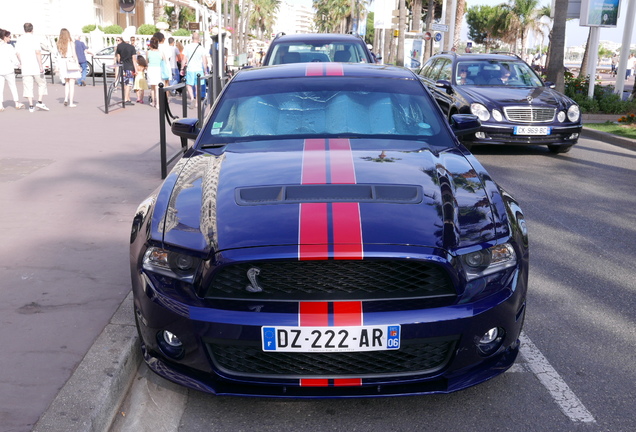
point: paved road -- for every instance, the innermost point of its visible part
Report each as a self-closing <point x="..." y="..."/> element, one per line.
<point x="67" y="205"/>
<point x="576" y="370"/>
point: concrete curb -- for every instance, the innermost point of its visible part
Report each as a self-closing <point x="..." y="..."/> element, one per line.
<point x="609" y="138"/>
<point x="90" y="398"/>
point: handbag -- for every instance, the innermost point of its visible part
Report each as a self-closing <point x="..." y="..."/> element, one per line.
<point x="72" y="65"/>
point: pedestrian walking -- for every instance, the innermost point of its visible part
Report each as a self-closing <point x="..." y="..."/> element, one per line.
<point x="195" y="63"/>
<point x="124" y="55"/>
<point x="8" y="63"/>
<point x="81" y="50"/>
<point x="155" y="57"/>
<point x="141" y="83"/>
<point x="29" y="54"/>
<point x="68" y="66"/>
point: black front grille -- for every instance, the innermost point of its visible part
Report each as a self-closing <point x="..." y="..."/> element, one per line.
<point x="414" y="357"/>
<point x="331" y="280"/>
<point x="529" y="139"/>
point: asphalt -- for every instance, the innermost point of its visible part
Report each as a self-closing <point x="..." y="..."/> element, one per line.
<point x="70" y="181"/>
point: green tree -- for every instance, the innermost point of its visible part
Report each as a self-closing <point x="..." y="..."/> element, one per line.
<point x="520" y="17"/>
<point x="262" y="16"/>
<point x="482" y="25"/>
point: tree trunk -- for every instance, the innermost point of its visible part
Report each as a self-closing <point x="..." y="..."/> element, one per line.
<point x="586" y="56"/>
<point x="416" y="25"/>
<point x="157" y="10"/>
<point x="459" y="16"/>
<point x="557" y="46"/>
<point x="428" y="51"/>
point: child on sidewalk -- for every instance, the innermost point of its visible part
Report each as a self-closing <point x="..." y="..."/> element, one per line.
<point x="140" y="83"/>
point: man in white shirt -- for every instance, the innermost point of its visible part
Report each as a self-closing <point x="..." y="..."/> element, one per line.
<point x="29" y="53"/>
<point x="196" y="61"/>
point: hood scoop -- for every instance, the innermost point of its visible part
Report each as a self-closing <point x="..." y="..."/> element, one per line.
<point x="291" y="194"/>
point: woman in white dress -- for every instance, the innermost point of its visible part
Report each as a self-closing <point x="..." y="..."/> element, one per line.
<point x="67" y="65"/>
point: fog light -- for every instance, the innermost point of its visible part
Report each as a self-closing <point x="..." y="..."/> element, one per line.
<point x="489" y="336"/>
<point x="491" y="341"/>
<point x="480" y="135"/>
<point x="170" y="344"/>
<point x="171" y="339"/>
<point x="573" y="136"/>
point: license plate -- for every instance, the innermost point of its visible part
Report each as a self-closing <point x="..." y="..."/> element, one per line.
<point x="532" y="130"/>
<point x="331" y="339"/>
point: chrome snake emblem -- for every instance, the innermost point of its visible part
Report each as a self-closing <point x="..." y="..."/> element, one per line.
<point x="254" y="287"/>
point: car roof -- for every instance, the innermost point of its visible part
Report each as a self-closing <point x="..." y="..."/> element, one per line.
<point x="297" y="70"/>
<point x="480" y="56"/>
<point x="300" y="37"/>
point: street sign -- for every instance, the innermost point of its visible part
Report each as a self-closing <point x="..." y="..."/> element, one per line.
<point x="438" y="37"/>
<point x="439" y="27"/>
<point x="427" y="36"/>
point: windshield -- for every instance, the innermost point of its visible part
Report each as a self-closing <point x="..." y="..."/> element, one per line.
<point x="305" y="52"/>
<point x="323" y="107"/>
<point x="496" y="73"/>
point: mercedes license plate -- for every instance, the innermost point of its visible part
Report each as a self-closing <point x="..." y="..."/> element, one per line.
<point x="532" y="130"/>
<point x="331" y="339"/>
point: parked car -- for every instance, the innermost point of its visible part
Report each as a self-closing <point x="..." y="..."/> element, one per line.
<point x="104" y="56"/>
<point x="521" y="110"/>
<point x="317" y="47"/>
<point x="328" y="236"/>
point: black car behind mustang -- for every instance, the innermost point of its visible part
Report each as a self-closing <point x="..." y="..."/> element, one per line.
<point x="328" y="236"/>
<point x="514" y="105"/>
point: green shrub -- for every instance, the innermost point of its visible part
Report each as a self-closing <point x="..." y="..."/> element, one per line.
<point x="147" y="29"/>
<point x="181" y="32"/>
<point x="113" y="29"/>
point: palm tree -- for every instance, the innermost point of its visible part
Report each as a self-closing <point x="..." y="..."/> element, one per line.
<point x="520" y="18"/>
<point x="263" y="13"/>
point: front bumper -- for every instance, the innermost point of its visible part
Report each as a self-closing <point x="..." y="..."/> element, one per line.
<point x="449" y="334"/>
<point x="498" y="134"/>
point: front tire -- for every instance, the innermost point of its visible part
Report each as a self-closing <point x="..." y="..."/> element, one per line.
<point x="557" y="149"/>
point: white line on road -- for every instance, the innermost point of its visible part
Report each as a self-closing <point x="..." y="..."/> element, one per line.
<point x="552" y="381"/>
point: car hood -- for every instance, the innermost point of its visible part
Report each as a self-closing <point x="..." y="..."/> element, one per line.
<point x="284" y="193"/>
<point x="499" y="95"/>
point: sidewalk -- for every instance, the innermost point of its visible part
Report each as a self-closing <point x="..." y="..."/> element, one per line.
<point x="70" y="182"/>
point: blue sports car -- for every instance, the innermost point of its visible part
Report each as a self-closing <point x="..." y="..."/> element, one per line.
<point x="328" y="236"/>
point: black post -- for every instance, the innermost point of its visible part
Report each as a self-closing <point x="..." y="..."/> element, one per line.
<point x="162" y="132"/>
<point x="106" y="101"/>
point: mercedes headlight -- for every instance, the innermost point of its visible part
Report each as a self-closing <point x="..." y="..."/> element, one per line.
<point x="480" y="111"/>
<point x="574" y="113"/>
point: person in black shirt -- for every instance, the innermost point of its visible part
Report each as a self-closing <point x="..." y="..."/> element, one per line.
<point x="124" y="55"/>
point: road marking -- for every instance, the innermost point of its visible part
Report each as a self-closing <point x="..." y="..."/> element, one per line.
<point x="565" y="398"/>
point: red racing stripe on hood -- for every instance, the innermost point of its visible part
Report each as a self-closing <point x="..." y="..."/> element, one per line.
<point x="329" y="162"/>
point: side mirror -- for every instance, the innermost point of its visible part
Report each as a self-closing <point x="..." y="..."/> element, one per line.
<point x="550" y="84"/>
<point x="443" y="84"/>
<point x="186" y="128"/>
<point x="464" y="124"/>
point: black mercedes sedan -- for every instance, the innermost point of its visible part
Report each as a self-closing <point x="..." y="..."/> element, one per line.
<point x="514" y="105"/>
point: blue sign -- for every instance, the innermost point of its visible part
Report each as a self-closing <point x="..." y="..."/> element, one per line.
<point x="438" y="37"/>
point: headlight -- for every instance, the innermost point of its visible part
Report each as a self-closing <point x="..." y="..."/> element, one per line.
<point x="488" y="261"/>
<point x="480" y="111"/>
<point x="496" y="114"/>
<point x="170" y="263"/>
<point x="561" y="116"/>
<point x="574" y="113"/>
